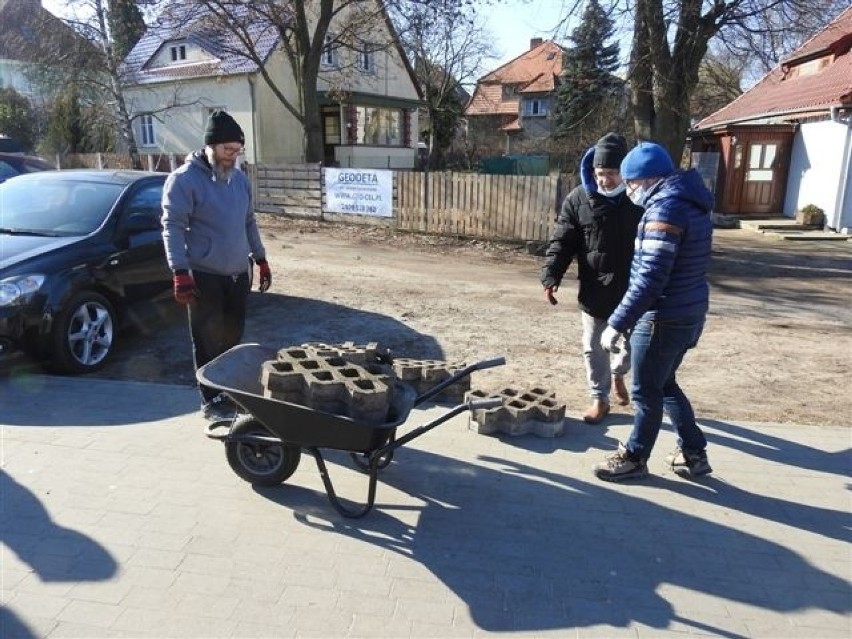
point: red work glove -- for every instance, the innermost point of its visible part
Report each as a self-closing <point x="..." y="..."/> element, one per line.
<point x="265" y="276"/>
<point x="548" y="293"/>
<point x="185" y="291"/>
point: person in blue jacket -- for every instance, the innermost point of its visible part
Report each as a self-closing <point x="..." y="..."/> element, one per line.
<point x="210" y="232"/>
<point x="663" y="309"/>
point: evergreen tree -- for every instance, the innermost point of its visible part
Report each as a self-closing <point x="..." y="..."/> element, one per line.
<point x="587" y="82"/>
<point x="65" y="126"/>
<point x="126" y="26"/>
<point x="17" y="119"/>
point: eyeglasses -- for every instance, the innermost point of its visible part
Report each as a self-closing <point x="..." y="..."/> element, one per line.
<point x="230" y="150"/>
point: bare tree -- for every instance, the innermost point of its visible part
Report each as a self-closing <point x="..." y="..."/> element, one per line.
<point x="448" y="47"/>
<point x="305" y="29"/>
<point x="719" y="83"/>
<point x="670" y="39"/>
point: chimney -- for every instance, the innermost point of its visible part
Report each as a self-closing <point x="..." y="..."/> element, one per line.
<point x="534" y="42"/>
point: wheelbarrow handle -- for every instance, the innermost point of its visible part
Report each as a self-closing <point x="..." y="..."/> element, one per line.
<point x="487" y="363"/>
<point x="490" y="363"/>
<point x="485" y="404"/>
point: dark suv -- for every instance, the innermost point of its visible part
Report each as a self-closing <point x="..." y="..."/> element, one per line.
<point x="79" y="250"/>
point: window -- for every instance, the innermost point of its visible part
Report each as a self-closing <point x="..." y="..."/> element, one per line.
<point x="379" y="126"/>
<point x="146" y="202"/>
<point x="331" y="126"/>
<point x="366" y="60"/>
<point x="534" y="108"/>
<point x="329" y="52"/>
<point x="761" y="158"/>
<point x="178" y="52"/>
<point x="146" y="131"/>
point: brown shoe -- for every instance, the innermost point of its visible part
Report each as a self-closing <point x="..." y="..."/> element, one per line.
<point x="620" y="390"/>
<point x="596" y="412"/>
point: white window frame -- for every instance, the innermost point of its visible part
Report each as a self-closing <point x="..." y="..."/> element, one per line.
<point x="367" y="59"/>
<point x="329" y="52"/>
<point x="534" y="108"/>
<point x="178" y="52"/>
<point x="147" y="135"/>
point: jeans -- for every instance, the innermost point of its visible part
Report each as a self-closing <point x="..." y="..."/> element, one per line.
<point x="217" y="319"/>
<point x="600" y="365"/>
<point x="658" y="349"/>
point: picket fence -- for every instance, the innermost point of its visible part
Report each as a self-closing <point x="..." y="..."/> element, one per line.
<point x="502" y="207"/>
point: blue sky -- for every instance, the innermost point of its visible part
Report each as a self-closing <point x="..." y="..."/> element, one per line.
<point x="514" y="22"/>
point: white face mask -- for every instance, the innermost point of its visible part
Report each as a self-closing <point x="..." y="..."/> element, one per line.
<point x="637" y="196"/>
<point x="613" y="192"/>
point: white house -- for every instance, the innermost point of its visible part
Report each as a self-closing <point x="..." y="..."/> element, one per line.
<point x="180" y="71"/>
<point x="786" y="143"/>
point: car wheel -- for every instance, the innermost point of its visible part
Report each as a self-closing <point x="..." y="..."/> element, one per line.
<point x="83" y="334"/>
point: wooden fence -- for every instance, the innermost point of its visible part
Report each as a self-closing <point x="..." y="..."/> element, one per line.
<point x="513" y="207"/>
<point x="509" y="207"/>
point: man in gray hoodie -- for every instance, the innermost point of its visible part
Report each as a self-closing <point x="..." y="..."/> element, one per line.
<point x="210" y="232"/>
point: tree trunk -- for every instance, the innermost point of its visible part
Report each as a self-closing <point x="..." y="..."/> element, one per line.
<point x="641" y="78"/>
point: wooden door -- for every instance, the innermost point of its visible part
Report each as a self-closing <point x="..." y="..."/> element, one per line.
<point x="763" y="176"/>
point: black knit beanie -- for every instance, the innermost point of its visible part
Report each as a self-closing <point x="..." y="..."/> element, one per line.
<point x="610" y="151"/>
<point x="222" y="128"/>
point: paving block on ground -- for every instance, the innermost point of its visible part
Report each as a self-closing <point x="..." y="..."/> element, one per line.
<point x="426" y="374"/>
<point x="535" y="411"/>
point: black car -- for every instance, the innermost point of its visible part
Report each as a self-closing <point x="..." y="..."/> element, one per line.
<point x="12" y="164"/>
<point x="81" y="252"/>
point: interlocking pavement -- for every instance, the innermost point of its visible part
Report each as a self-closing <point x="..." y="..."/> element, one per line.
<point x="120" y="519"/>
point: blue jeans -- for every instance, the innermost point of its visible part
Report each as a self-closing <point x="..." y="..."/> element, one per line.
<point x="658" y="348"/>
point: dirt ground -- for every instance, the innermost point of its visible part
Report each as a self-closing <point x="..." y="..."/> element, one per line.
<point x="777" y="345"/>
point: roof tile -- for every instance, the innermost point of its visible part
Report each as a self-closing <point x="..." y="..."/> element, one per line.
<point x="785" y="91"/>
<point x="534" y="71"/>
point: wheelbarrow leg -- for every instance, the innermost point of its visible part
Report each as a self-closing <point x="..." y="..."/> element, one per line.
<point x="373" y="470"/>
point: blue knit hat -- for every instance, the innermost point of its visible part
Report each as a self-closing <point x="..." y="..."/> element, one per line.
<point x="646" y="160"/>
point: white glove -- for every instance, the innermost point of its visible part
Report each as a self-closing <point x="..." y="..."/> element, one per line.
<point x="610" y="338"/>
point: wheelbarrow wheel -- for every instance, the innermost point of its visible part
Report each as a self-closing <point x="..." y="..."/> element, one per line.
<point x="260" y="463"/>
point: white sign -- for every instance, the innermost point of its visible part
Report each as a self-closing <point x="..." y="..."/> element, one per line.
<point x="360" y="191"/>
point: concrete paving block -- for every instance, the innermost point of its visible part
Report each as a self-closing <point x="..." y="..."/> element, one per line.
<point x="425" y="374"/>
<point x="342" y="379"/>
<point x="534" y="411"/>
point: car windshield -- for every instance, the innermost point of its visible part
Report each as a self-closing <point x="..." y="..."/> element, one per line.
<point x="53" y="206"/>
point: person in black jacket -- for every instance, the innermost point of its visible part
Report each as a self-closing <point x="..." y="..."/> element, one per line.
<point x="597" y="226"/>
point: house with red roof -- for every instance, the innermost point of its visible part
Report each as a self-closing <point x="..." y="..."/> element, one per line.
<point x="786" y="143"/>
<point x="185" y="66"/>
<point x="516" y="102"/>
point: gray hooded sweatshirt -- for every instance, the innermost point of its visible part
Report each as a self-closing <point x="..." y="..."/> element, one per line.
<point x="209" y="224"/>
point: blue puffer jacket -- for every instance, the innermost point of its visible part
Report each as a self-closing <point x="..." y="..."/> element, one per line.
<point x="668" y="275"/>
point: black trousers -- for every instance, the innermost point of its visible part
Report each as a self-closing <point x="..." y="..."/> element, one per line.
<point x="217" y="319"/>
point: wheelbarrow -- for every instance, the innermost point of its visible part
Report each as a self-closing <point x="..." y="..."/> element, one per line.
<point x="264" y="441"/>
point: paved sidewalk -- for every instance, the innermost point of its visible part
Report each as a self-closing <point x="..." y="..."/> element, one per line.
<point x="120" y="519"/>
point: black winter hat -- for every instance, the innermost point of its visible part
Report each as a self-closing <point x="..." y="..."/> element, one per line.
<point x="610" y="151"/>
<point x="221" y="128"/>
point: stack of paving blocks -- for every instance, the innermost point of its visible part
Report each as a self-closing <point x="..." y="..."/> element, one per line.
<point x="343" y="379"/>
<point x="523" y="411"/>
<point x="425" y="374"/>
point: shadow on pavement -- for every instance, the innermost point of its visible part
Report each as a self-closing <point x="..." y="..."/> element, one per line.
<point x="30" y="397"/>
<point x="53" y="553"/>
<point x="531" y="550"/>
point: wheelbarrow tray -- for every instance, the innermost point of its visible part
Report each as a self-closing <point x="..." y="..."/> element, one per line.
<point x="236" y="372"/>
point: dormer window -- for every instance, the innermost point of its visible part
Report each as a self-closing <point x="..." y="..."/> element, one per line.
<point x="178" y="52"/>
